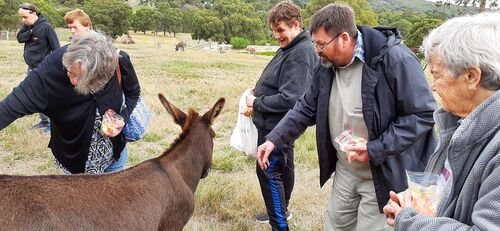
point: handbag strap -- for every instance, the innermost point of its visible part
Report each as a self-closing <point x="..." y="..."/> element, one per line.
<point x="118" y="71"/>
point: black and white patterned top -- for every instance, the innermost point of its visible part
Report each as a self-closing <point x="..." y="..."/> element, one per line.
<point x="100" y="154"/>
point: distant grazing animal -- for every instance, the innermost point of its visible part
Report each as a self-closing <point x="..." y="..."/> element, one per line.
<point x="157" y="194"/>
<point x="180" y="46"/>
<point x="128" y="40"/>
<point x="221" y="50"/>
<point x="250" y="50"/>
<point x="157" y="44"/>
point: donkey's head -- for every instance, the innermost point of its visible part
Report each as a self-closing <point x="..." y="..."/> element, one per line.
<point x="199" y="126"/>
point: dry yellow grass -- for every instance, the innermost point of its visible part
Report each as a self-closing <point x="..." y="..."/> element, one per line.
<point x="230" y="196"/>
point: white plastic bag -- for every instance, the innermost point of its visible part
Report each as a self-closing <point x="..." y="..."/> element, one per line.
<point x="244" y="137"/>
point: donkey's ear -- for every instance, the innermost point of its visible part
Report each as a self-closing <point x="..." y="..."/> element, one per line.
<point x="215" y="111"/>
<point x="179" y="116"/>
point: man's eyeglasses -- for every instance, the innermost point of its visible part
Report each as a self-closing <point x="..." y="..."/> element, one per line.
<point x="321" y="47"/>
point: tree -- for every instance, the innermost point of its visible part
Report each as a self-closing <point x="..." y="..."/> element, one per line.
<point x="188" y="19"/>
<point x="242" y="26"/>
<point x="362" y="9"/>
<point x="70" y="4"/>
<point x="143" y="20"/>
<point x="175" y="19"/>
<point x="9" y="19"/>
<point x="48" y="9"/>
<point x="168" y="19"/>
<point x="482" y="3"/>
<point x="239" y="19"/>
<point x="110" y="16"/>
<point x="402" y="20"/>
<point x="403" y="25"/>
<point x="207" y="26"/>
<point x="421" y="29"/>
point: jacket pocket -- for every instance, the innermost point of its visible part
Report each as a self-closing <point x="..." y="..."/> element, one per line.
<point x="357" y="110"/>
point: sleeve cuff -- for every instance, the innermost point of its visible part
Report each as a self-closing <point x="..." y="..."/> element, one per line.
<point x="376" y="152"/>
<point x="275" y="138"/>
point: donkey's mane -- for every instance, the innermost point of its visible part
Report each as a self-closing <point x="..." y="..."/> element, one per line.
<point x="192" y="114"/>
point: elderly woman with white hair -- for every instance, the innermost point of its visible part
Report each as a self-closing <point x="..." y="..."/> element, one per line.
<point x="75" y="86"/>
<point x="464" y="58"/>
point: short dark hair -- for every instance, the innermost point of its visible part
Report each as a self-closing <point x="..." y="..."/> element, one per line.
<point x="28" y="6"/>
<point x="335" y="18"/>
<point x="285" y="11"/>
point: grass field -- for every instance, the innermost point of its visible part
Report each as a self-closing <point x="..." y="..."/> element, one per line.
<point x="230" y="196"/>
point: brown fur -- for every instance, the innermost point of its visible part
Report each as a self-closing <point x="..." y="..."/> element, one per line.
<point x="157" y="194"/>
<point x="251" y="50"/>
<point x="128" y="39"/>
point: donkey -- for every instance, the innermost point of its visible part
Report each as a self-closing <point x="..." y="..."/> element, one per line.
<point x="180" y="46"/>
<point x="157" y="194"/>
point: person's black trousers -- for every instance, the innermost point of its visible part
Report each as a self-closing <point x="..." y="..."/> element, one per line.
<point x="276" y="183"/>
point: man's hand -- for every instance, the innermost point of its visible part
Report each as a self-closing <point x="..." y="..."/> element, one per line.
<point x="263" y="152"/>
<point x="361" y="153"/>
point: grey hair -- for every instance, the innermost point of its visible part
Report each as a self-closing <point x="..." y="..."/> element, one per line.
<point x="468" y="41"/>
<point x="335" y="18"/>
<point x="98" y="59"/>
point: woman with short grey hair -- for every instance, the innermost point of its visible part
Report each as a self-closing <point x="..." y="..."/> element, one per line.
<point x="97" y="58"/>
<point x="470" y="41"/>
<point x="75" y="87"/>
<point x="464" y="58"/>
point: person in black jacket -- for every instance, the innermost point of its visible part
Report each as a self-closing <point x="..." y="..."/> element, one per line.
<point x="370" y="84"/>
<point x="282" y="82"/>
<point x="39" y="40"/>
<point x="80" y="24"/>
<point x="75" y="86"/>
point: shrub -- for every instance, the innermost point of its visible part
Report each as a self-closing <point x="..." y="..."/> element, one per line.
<point x="239" y="43"/>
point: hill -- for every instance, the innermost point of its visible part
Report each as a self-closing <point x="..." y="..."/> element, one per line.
<point x="419" y="6"/>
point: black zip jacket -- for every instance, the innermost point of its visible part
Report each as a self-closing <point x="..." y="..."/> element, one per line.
<point x="39" y="41"/>
<point x="397" y="109"/>
<point x="47" y="89"/>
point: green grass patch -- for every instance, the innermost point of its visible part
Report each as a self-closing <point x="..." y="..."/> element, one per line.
<point x="181" y="69"/>
<point x="226" y="66"/>
<point x="152" y="137"/>
<point x="229" y="159"/>
<point x="190" y="70"/>
<point x="266" y="53"/>
<point x="305" y="148"/>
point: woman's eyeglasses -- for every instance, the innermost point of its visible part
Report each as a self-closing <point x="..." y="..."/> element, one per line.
<point x="71" y="73"/>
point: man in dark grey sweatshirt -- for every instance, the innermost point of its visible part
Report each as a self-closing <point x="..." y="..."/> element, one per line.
<point x="39" y="40"/>
<point x="282" y="82"/>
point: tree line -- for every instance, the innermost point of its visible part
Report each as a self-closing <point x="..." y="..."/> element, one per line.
<point x="214" y="20"/>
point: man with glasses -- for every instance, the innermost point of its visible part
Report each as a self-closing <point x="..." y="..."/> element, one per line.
<point x="372" y="86"/>
<point x="39" y="40"/>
